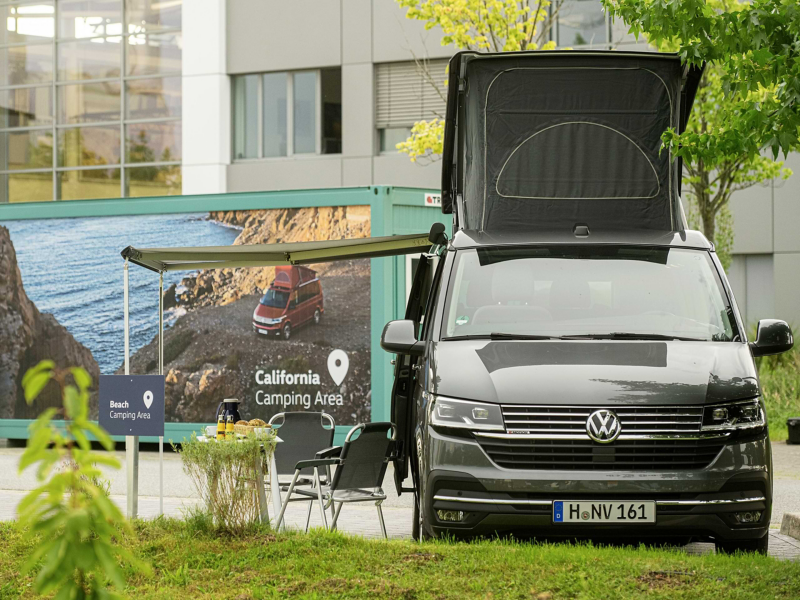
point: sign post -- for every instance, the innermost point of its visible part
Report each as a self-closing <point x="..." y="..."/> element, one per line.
<point x="132" y="405"/>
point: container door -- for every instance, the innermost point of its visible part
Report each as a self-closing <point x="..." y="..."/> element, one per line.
<point x="402" y="391"/>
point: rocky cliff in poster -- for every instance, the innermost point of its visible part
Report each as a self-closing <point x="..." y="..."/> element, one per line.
<point x="281" y="341"/>
<point x="28" y="336"/>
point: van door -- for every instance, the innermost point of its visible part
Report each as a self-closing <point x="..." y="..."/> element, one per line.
<point x="402" y="391"/>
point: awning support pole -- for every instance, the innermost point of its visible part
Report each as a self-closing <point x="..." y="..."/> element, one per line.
<point x="131" y="441"/>
<point x="161" y="372"/>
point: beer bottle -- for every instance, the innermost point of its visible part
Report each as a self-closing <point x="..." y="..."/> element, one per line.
<point x="229" y="428"/>
<point x="221" y="427"/>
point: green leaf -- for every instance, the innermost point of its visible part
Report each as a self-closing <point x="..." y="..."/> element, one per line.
<point x="101" y="435"/>
<point x="45" y="365"/>
<point x="35" y="385"/>
<point x="36" y="449"/>
<point x="110" y="568"/>
<point x="82" y="378"/>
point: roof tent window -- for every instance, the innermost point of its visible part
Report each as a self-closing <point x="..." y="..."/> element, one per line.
<point x="558" y="163"/>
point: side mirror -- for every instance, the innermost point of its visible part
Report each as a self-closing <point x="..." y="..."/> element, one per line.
<point x="772" y="337"/>
<point x="400" y="337"/>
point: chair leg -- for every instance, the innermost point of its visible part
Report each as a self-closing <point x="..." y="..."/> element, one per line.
<point x="380" y="516"/>
<point x="336" y="515"/>
<point x="319" y="497"/>
<point x="308" y="516"/>
<point x="285" y="504"/>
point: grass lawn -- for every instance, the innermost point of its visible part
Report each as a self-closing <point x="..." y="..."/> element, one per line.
<point x="780" y="382"/>
<point x="191" y="561"/>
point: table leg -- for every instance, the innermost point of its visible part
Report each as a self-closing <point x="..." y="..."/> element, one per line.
<point x="263" y="507"/>
<point x="275" y="489"/>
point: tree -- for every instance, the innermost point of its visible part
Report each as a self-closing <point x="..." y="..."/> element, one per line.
<point x="711" y="180"/>
<point x="74" y="525"/>
<point x="755" y="47"/>
<point x="482" y="26"/>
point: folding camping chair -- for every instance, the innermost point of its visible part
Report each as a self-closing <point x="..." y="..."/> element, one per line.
<point x="304" y="435"/>
<point x="360" y="468"/>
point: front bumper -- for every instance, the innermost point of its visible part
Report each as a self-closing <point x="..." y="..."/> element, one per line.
<point x="267" y="329"/>
<point x="697" y="503"/>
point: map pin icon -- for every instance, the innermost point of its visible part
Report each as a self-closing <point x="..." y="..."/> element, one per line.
<point x="148" y="399"/>
<point x="338" y="363"/>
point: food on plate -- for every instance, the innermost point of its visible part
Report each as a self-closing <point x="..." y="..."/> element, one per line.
<point x="257" y="423"/>
<point x="242" y="422"/>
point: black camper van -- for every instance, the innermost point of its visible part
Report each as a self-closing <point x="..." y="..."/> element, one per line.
<point x="575" y="364"/>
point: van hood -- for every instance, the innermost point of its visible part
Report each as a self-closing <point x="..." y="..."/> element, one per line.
<point x="548" y="140"/>
<point x="592" y="372"/>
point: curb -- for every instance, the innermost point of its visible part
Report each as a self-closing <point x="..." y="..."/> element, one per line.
<point x="791" y="525"/>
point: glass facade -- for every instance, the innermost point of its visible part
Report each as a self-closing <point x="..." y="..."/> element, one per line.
<point x="90" y="99"/>
<point x="287" y="114"/>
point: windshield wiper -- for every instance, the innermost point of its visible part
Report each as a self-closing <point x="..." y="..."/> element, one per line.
<point x="499" y="336"/>
<point x="624" y="335"/>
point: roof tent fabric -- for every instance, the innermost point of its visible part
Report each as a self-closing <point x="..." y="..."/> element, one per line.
<point x="557" y="139"/>
<point x="270" y="255"/>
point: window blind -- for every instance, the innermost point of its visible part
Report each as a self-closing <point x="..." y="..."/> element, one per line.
<point x="404" y="95"/>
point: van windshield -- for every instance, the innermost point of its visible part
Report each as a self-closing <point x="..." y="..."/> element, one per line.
<point x="275" y="298"/>
<point x="598" y="292"/>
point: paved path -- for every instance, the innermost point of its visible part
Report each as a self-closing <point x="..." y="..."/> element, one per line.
<point x="361" y="519"/>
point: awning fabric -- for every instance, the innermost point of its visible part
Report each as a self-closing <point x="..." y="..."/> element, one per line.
<point x="270" y="255"/>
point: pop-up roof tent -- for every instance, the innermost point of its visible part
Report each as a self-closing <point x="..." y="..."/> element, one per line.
<point x="549" y="140"/>
<point x="290" y="276"/>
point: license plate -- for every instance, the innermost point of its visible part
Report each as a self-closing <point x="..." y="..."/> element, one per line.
<point x="264" y="331"/>
<point x="588" y="511"/>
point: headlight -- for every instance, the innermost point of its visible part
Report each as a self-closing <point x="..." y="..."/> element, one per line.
<point x="745" y="414"/>
<point x="446" y="412"/>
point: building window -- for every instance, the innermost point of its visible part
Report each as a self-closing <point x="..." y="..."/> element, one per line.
<point x="407" y="92"/>
<point x="90" y="99"/>
<point x="287" y="114"/>
<point x="583" y="23"/>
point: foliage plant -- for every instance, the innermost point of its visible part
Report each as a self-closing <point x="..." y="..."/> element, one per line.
<point x="712" y="180"/>
<point x="754" y="45"/>
<point x="70" y="514"/>
<point x="779" y="375"/>
<point x="224" y="475"/>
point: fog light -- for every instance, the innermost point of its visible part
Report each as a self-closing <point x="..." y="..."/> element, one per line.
<point x="450" y="515"/>
<point x="744" y="518"/>
<point x="719" y="414"/>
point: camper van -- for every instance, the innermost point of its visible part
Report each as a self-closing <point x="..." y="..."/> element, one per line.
<point x="572" y="362"/>
<point x="293" y="299"/>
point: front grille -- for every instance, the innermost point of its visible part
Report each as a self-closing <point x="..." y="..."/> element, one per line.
<point x="554" y="438"/>
<point x="622" y="455"/>
<point x="667" y="420"/>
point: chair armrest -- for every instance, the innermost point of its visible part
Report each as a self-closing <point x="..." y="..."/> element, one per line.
<point x="331" y="452"/>
<point x="307" y="464"/>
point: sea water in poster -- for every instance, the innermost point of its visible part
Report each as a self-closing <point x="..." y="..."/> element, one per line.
<point x="276" y="338"/>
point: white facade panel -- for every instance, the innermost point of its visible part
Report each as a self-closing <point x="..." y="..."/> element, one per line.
<point x="752" y="219"/>
<point x="394" y="37"/>
<point x="285" y="174"/>
<point x="356" y="31"/>
<point x="206" y="110"/>
<point x="397" y="169"/>
<point x="787" y="208"/>
<point x="276" y="35"/>
<point x="358" y="102"/>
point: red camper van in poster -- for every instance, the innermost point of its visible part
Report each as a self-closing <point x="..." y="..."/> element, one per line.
<point x="293" y="299"/>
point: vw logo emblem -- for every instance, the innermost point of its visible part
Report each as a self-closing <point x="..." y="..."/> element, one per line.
<point x="603" y="426"/>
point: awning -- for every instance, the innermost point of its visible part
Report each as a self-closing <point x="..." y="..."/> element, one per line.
<point x="270" y="255"/>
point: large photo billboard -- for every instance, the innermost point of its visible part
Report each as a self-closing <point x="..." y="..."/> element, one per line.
<point x="277" y="338"/>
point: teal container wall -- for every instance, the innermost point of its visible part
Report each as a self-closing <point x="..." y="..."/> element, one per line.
<point x="394" y="211"/>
